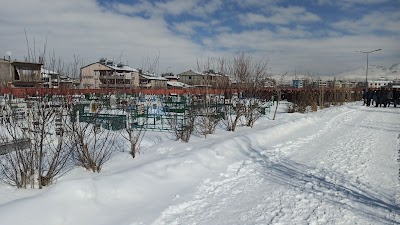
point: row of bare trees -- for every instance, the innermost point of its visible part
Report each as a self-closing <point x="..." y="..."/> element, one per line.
<point x="310" y="99"/>
<point x="242" y="79"/>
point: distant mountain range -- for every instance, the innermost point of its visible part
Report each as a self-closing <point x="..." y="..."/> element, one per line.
<point x="374" y="72"/>
<point x="358" y="74"/>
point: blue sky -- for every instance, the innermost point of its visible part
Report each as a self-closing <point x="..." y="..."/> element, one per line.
<point x="317" y="36"/>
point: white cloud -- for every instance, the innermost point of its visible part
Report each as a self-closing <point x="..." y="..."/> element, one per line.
<point x="188" y="28"/>
<point x="205" y="8"/>
<point x="175" y="7"/>
<point x="319" y="55"/>
<point x="171" y="7"/>
<point x="256" y="3"/>
<point x="325" y="2"/>
<point x="298" y="32"/>
<point x="252" y="18"/>
<point x="350" y="3"/>
<point x="279" y="16"/>
<point x="287" y="15"/>
<point x="376" y="21"/>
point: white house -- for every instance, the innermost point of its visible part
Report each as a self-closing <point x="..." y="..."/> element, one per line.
<point x="381" y="82"/>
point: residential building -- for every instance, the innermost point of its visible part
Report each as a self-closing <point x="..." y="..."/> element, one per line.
<point x="170" y="77"/>
<point x="173" y="81"/>
<point x="53" y="79"/>
<point x="20" y="74"/>
<point x="149" y="80"/>
<point x="298" y="83"/>
<point x="106" y="74"/>
<point x="381" y="82"/>
<point x="49" y="78"/>
<point x="318" y="83"/>
<point x="337" y="84"/>
<point x="203" y="79"/>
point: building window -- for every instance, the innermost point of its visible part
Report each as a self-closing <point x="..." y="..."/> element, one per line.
<point x="190" y="77"/>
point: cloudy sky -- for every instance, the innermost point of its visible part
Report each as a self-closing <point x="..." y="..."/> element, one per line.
<point x="317" y="36"/>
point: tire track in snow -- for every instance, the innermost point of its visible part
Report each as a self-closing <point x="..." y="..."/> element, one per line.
<point x="212" y="197"/>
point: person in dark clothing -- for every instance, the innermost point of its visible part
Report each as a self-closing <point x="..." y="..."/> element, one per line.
<point x="378" y="98"/>
<point x="383" y="97"/>
<point x="395" y="97"/>
<point x="389" y="97"/>
<point x="374" y="98"/>
<point x="369" y="96"/>
<point x="364" y="96"/>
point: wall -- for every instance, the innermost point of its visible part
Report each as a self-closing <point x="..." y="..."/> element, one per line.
<point x="5" y="75"/>
<point x="89" y="79"/>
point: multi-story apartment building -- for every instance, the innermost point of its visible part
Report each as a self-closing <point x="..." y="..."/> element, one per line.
<point x="203" y="79"/>
<point x="106" y="74"/>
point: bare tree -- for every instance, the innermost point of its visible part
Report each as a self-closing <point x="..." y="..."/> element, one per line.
<point x="254" y="86"/>
<point x="58" y="155"/>
<point x="40" y="118"/>
<point x="17" y="161"/>
<point x="207" y="109"/>
<point x="150" y="65"/>
<point x="37" y="154"/>
<point x="207" y="116"/>
<point x="248" y="78"/>
<point x="134" y="132"/>
<point x="182" y="124"/>
<point x="92" y="144"/>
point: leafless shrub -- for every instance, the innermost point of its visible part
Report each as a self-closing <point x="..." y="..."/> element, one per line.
<point x="307" y="99"/>
<point x="134" y="133"/>
<point x="17" y="163"/>
<point x="182" y="124"/>
<point x="208" y="117"/>
<point x="234" y="111"/>
<point x="92" y="144"/>
<point x="59" y="152"/>
<point x="40" y="155"/>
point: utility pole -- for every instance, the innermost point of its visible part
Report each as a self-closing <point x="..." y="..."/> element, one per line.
<point x="366" y="73"/>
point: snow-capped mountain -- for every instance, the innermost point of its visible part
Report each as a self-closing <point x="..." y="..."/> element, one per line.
<point x="374" y="72"/>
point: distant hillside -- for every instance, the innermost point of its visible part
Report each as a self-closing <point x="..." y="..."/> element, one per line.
<point x="374" y="72"/>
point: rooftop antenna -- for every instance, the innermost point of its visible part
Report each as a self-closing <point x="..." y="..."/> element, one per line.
<point x="120" y="56"/>
<point x="9" y="53"/>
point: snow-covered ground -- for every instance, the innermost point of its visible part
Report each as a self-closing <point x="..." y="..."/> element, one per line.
<point x="336" y="166"/>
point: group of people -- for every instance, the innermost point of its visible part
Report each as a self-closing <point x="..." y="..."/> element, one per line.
<point x="381" y="97"/>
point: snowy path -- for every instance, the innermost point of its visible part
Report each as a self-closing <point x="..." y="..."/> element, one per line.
<point x="333" y="171"/>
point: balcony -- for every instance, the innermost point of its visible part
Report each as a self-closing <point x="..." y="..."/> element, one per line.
<point x="113" y="77"/>
<point x="126" y="86"/>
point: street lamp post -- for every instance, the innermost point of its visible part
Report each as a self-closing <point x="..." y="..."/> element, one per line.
<point x="366" y="73"/>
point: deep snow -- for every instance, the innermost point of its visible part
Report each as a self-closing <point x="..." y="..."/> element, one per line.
<point x="334" y="166"/>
